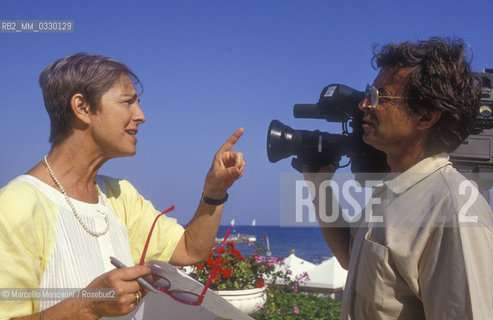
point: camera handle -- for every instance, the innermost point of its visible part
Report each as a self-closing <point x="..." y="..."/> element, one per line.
<point x="297" y="164"/>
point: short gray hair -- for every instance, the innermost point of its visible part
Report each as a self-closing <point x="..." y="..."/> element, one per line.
<point x="88" y="74"/>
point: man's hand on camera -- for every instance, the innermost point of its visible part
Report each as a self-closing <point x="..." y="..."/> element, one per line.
<point x="317" y="174"/>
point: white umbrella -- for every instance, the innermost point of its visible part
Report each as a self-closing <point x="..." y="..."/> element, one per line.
<point x="328" y="274"/>
<point x="297" y="266"/>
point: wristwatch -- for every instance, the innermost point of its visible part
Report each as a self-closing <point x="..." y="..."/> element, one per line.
<point x="214" y="202"/>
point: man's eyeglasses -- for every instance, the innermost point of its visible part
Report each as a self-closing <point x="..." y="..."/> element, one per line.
<point x="372" y="93"/>
<point x="163" y="284"/>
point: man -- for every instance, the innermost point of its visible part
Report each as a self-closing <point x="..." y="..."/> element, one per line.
<point x="424" y="246"/>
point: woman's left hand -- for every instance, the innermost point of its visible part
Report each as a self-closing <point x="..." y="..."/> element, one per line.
<point x="196" y="242"/>
<point x="227" y="167"/>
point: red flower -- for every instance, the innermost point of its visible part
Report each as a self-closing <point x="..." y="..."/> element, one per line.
<point x="227" y="272"/>
<point x="259" y="283"/>
<point x="222" y="262"/>
<point x="235" y="252"/>
<point x="209" y="262"/>
<point x="230" y="268"/>
<point x="215" y="277"/>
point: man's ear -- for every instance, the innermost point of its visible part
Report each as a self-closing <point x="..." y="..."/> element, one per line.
<point x="428" y="119"/>
<point x="80" y="107"/>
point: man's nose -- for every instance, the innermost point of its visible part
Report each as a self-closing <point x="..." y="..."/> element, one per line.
<point x="365" y="104"/>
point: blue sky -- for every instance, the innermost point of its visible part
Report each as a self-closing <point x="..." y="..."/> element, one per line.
<point x="209" y="67"/>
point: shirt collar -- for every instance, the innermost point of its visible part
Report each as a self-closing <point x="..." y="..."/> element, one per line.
<point x="418" y="172"/>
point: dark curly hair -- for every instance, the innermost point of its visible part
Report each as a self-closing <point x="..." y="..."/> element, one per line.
<point x="440" y="80"/>
<point x="88" y="74"/>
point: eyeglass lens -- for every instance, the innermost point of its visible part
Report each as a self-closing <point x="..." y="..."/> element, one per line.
<point x="372" y="93"/>
<point x="163" y="285"/>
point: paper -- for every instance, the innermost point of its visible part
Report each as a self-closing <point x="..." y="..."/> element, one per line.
<point x="160" y="306"/>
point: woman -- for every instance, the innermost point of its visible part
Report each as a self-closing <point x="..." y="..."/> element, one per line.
<point x="60" y="222"/>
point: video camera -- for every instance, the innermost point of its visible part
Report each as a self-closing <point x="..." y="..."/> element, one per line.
<point x="339" y="103"/>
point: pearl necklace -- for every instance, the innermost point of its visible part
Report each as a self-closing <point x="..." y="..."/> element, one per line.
<point x="71" y="205"/>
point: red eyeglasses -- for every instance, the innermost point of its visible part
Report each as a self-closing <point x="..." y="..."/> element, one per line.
<point x="163" y="284"/>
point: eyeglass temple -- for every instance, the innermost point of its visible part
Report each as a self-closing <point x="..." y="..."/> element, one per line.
<point x="214" y="268"/>
<point x="142" y="257"/>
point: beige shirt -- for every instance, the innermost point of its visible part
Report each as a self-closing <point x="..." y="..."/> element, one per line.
<point x="431" y="257"/>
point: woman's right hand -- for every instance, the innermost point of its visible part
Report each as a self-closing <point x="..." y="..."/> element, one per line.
<point x="124" y="281"/>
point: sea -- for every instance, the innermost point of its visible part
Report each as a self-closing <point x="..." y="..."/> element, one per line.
<point x="307" y="243"/>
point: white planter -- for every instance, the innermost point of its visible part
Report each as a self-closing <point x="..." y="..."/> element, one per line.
<point x="247" y="301"/>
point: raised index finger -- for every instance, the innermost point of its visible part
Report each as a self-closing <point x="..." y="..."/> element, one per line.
<point x="229" y="144"/>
